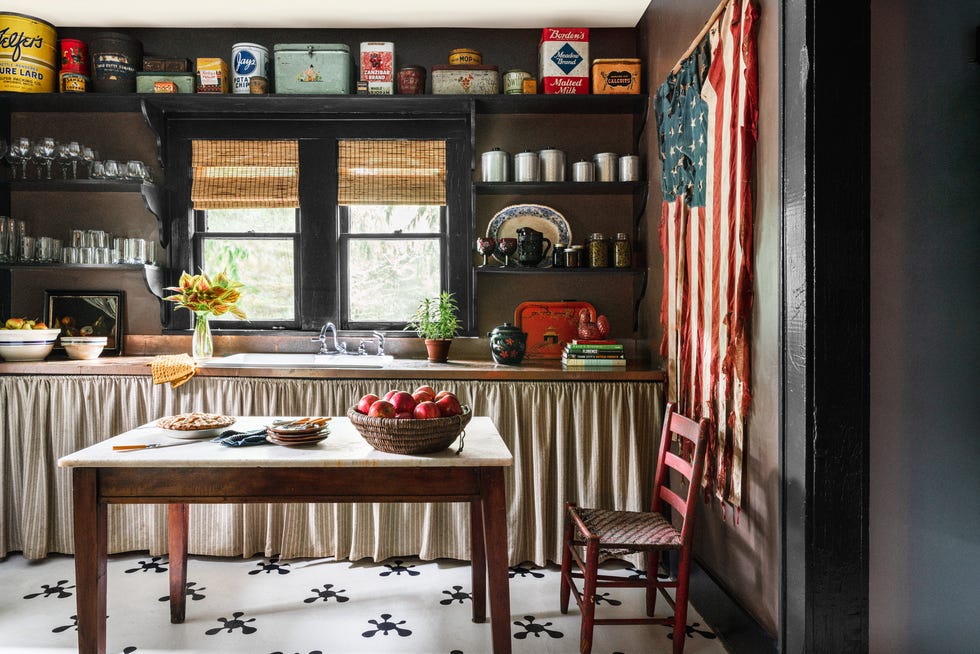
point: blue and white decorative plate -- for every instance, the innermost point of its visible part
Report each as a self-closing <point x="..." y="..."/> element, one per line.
<point x="546" y="220"/>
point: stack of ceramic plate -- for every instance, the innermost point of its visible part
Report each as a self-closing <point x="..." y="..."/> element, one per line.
<point x="308" y="431"/>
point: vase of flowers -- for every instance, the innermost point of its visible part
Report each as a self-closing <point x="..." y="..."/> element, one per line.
<point x="206" y="297"/>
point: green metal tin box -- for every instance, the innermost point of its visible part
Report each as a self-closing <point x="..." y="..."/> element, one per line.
<point x="182" y="82"/>
<point x="303" y="68"/>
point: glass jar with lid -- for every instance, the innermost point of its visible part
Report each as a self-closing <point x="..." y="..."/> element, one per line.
<point x="597" y="250"/>
<point x="622" y="251"/>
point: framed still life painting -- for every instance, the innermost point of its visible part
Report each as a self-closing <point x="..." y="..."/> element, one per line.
<point x="87" y="313"/>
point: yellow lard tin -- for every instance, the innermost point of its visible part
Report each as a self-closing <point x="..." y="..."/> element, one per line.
<point x="28" y="54"/>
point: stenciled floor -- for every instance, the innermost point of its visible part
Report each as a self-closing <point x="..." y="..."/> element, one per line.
<point x="303" y="606"/>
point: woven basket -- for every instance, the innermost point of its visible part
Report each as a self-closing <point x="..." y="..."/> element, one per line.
<point x="407" y="435"/>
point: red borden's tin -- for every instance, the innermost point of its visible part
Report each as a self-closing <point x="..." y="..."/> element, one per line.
<point x="73" y="75"/>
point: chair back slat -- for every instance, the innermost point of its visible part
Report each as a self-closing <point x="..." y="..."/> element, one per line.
<point x="679" y="464"/>
<point x="697" y="434"/>
<point x="673" y="499"/>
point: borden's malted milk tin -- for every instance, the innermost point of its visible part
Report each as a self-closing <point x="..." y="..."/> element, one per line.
<point x="248" y="60"/>
<point x="28" y="54"/>
<point x="563" y="60"/>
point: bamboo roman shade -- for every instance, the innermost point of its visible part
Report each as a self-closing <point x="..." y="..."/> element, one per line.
<point x="391" y="171"/>
<point x="244" y="174"/>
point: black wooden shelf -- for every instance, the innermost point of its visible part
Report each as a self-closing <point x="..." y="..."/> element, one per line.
<point x="78" y="185"/>
<point x="497" y="269"/>
<point x="153" y="275"/>
<point x="558" y="188"/>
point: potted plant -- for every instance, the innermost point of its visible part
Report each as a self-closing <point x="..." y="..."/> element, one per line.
<point x="436" y="321"/>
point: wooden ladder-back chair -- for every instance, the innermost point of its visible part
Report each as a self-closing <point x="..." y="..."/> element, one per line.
<point x="591" y="534"/>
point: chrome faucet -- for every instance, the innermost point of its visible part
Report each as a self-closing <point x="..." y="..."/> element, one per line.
<point x="362" y="346"/>
<point x="339" y="347"/>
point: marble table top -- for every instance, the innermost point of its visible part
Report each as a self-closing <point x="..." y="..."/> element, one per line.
<point x="343" y="448"/>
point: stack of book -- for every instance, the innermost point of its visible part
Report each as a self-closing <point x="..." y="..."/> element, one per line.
<point x="593" y="354"/>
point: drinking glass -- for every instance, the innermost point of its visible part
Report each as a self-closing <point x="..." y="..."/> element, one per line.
<point x="135" y="170"/>
<point x="485" y="246"/>
<point x="63" y="156"/>
<point x="111" y="169"/>
<point x="6" y="227"/>
<point x="97" y="170"/>
<point x="75" y="150"/>
<point x="43" y="152"/>
<point x="20" y="152"/>
<point x="506" y="246"/>
<point x="88" y="157"/>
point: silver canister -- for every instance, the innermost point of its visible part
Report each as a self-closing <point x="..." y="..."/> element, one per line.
<point x="494" y="165"/>
<point x="527" y="167"/>
<point x="552" y="165"/>
<point x="605" y="166"/>
<point x="583" y="171"/>
<point x="629" y="168"/>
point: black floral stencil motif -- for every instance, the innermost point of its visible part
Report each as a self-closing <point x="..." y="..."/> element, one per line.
<point x="326" y="594"/>
<point x="235" y="622"/>
<point x="66" y="627"/>
<point x="691" y="630"/>
<point x="312" y="651"/>
<point x="129" y="650"/>
<point x="532" y="628"/>
<point x="269" y="566"/>
<point x="636" y="573"/>
<point x="522" y="571"/>
<point x="59" y="589"/>
<point x="604" y="597"/>
<point x="455" y="595"/>
<point x="189" y="590"/>
<point x="386" y="626"/>
<point x="155" y="564"/>
<point x="398" y="568"/>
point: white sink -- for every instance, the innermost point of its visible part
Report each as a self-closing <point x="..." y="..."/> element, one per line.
<point x="276" y="360"/>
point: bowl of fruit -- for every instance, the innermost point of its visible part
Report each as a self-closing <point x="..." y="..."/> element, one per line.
<point x="26" y="340"/>
<point x="400" y="422"/>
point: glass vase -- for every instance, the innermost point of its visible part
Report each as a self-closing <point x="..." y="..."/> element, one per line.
<point x="202" y="345"/>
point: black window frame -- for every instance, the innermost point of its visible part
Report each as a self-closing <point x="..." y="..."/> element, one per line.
<point x="318" y="257"/>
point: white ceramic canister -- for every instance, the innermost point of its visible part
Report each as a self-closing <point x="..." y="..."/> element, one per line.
<point x="629" y="168"/>
<point x="527" y="167"/>
<point x="552" y="165"/>
<point x="605" y="166"/>
<point x="248" y="60"/>
<point x="583" y="171"/>
<point x="494" y="165"/>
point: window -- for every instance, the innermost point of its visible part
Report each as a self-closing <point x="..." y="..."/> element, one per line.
<point x="317" y="243"/>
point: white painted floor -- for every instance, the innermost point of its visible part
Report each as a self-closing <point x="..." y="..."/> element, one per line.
<point x="265" y="606"/>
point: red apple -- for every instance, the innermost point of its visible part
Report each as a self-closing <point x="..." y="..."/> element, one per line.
<point x="427" y="410"/>
<point x="382" y="409"/>
<point x="423" y="396"/>
<point x="442" y="394"/>
<point x="364" y="404"/>
<point x="449" y="405"/>
<point x="389" y="394"/>
<point x="403" y="402"/>
<point x="428" y="389"/>
<point x="404" y="415"/>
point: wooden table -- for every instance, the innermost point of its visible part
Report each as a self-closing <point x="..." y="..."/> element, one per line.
<point x="343" y="468"/>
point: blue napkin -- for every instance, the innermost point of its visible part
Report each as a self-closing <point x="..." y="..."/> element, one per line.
<point x="233" y="438"/>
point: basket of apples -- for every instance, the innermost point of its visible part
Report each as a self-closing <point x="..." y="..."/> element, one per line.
<point x="410" y="423"/>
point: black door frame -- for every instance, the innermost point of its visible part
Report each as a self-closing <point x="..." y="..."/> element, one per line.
<point x="825" y="296"/>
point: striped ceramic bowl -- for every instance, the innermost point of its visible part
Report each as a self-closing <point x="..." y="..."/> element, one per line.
<point x="27" y="344"/>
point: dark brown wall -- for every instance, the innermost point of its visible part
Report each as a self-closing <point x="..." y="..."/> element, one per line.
<point x="742" y="557"/>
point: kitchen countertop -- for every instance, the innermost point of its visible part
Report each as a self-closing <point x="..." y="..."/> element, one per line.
<point x="403" y="368"/>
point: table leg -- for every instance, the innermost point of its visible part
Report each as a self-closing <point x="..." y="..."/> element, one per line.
<point x="495" y="532"/>
<point x="91" y="536"/>
<point x="177" y="547"/>
<point x="478" y="562"/>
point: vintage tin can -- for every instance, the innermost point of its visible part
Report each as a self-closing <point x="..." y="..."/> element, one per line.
<point x="212" y="75"/>
<point x="258" y="85"/>
<point x="158" y="82"/>
<point x="116" y="58"/>
<point x="514" y="81"/>
<point x="303" y="68"/>
<point x="605" y="166"/>
<point x="73" y="75"/>
<point x="474" y="80"/>
<point x="583" y="171"/>
<point x="28" y="54"/>
<point x="465" y="57"/>
<point x="411" y="80"/>
<point x="527" y="167"/>
<point x="72" y="83"/>
<point x="494" y="165"/>
<point x="616" y="76"/>
<point x="622" y="251"/>
<point x="378" y="67"/>
<point x="629" y="168"/>
<point x="563" y="60"/>
<point x="552" y="165"/>
<point x="155" y="64"/>
<point x="248" y="60"/>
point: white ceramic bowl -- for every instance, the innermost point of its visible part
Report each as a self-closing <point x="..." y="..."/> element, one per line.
<point x="27" y="344"/>
<point x="84" y="347"/>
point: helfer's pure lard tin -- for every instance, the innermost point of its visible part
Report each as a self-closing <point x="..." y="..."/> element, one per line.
<point x="563" y="60"/>
<point x="28" y="54"/>
<point x="248" y="60"/>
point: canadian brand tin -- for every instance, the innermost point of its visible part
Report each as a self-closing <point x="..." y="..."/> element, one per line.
<point x="465" y="57"/>
<point x="378" y="67"/>
<point x="115" y="59"/>
<point x="563" y="60"/>
<point x="248" y="60"/>
<point x="28" y="54"/>
<point x="304" y="68"/>
<point x="514" y="81"/>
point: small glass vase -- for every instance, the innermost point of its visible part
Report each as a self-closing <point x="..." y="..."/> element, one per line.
<point x="202" y="345"/>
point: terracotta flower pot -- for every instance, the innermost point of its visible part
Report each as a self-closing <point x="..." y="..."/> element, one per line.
<point x="438" y="349"/>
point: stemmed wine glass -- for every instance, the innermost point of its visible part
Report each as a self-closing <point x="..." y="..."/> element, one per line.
<point x="75" y="151"/>
<point x="485" y="246"/>
<point x="88" y="156"/>
<point x="506" y="246"/>
<point x="20" y="152"/>
<point x="44" y="152"/>
<point x="63" y="156"/>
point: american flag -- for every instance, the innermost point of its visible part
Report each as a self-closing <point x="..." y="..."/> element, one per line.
<point x="707" y="114"/>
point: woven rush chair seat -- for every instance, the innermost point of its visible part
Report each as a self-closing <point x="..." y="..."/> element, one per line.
<point x="592" y="535"/>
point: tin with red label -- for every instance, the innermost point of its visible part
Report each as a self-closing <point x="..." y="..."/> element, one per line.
<point x="73" y="75"/>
